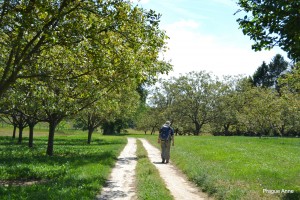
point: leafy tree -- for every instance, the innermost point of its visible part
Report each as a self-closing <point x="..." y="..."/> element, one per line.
<point x="261" y="112"/>
<point x="110" y="108"/>
<point x="161" y="102"/>
<point x="291" y="80"/>
<point x="151" y="120"/>
<point x="78" y="51"/>
<point x="18" y="120"/>
<point x="30" y="29"/>
<point x="228" y="103"/>
<point x="188" y="100"/>
<point x="272" y="23"/>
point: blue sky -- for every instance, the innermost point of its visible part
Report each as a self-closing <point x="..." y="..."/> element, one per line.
<point x="204" y="35"/>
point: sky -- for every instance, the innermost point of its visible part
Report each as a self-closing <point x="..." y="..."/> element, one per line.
<point x="204" y="35"/>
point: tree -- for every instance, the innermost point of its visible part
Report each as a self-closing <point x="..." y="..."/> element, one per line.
<point x="227" y="105"/>
<point x="116" y="105"/>
<point x="272" y="23"/>
<point x="78" y="51"/>
<point x="188" y="100"/>
<point x="291" y="80"/>
<point x="260" y="76"/>
<point x="30" y="29"/>
<point x="268" y="75"/>
<point x="261" y="112"/>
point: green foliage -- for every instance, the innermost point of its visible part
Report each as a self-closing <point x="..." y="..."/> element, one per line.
<point x="239" y="167"/>
<point x="78" y="171"/>
<point x="149" y="183"/>
<point x="187" y="101"/>
<point x="291" y="81"/>
<point x="69" y="55"/>
<point x="272" y="23"/>
<point x="268" y="75"/>
<point x="73" y="39"/>
<point x="232" y="106"/>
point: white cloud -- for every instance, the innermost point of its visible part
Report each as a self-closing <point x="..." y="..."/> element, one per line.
<point x="191" y="50"/>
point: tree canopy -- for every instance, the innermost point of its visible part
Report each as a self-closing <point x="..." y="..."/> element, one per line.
<point x="70" y="54"/>
<point x="272" y="23"/>
<point x="94" y="35"/>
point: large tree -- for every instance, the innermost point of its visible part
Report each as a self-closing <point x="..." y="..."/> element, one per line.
<point x="188" y="100"/>
<point x="29" y="29"/>
<point x="77" y="51"/>
<point x="272" y="23"/>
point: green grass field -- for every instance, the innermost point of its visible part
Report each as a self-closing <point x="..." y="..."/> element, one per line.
<point x="225" y="167"/>
<point x="76" y="171"/>
<point x="240" y="167"/>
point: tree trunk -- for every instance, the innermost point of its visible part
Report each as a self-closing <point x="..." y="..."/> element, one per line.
<point x="226" y="129"/>
<point x="30" y="144"/>
<point x="52" y="126"/>
<point x="198" y="127"/>
<point x="91" y="130"/>
<point x="20" y="134"/>
<point x="153" y="130"/>
<point x="14" y="132"/>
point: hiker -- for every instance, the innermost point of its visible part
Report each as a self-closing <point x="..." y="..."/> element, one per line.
<point x="166" y="135"/>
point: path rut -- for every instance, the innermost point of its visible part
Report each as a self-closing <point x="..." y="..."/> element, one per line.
<point x="122" y="179"/>
<point x="121" y="184"/>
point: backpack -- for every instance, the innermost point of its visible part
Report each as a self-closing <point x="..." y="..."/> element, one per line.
<point x="165" y="133"/>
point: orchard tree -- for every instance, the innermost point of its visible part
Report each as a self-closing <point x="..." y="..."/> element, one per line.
<point x="195" y="98"/>
<point x="291" y="80"/>
<point x="30" y="29"/>
<point x="161" y="102"/>
<point x="272" y="23"/>
<point x="227" y="105"/>
<point x="261" y="113"/>
<point x="78" y="51"/>
<point x="119" y="104"/>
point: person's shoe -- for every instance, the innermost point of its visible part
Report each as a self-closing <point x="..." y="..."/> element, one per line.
<point x="163" y="161"/>
<point x="167" y="161"/>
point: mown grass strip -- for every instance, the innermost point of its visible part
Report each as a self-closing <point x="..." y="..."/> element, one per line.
<point x="76" y="171"/>
<point x="240" y="167"/>
<point x="149" y="183"/>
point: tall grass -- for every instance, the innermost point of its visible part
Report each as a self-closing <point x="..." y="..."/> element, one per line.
<point x="76" y="171"/>
<point x="240" y="167"/>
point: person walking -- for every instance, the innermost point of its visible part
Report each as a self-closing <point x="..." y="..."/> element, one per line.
<point x="166" y="136"/>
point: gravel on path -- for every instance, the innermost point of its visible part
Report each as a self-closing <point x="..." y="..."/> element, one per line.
<point x="175" y="180"/>
<point x="121" y="184"/>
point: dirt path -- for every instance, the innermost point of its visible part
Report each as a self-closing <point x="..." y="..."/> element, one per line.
<point x="175" y="181"/>
<point x="121" y="182"/>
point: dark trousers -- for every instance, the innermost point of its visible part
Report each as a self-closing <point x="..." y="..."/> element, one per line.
<point x="165" y="149"/>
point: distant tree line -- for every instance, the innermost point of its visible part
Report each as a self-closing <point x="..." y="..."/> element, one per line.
<point x="267" y="103"/>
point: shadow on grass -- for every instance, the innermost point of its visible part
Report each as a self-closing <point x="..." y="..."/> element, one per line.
<point x="292" y="196"/>
<point x="67" y="188"/>
<point x="21" y="162"/>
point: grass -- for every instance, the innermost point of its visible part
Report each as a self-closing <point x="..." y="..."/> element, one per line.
<point x="240" y="167"/>
<point x="225" y="167"/>
<point x="76" y="171"/>
<point x="149" y="183"/>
